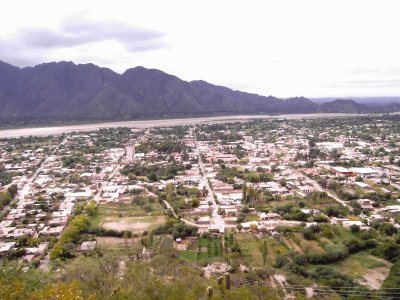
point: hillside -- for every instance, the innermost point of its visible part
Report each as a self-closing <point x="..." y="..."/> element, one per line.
<point x="66" y="91"/>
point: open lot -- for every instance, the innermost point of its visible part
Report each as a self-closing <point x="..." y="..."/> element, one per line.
<point x="133" y="224"/>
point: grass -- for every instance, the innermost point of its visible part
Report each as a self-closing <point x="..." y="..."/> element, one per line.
<point x="210" y="249"/>
<point x="130" y="210"/>
<point x="250" y="218"/>
<point x="190" y="255"/>
<point x="250" y="249"/>
<point x="359" y="264"/>
<point x="305" y="245"/>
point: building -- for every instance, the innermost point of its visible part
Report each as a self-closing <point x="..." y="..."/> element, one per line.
<point x="87" y="246"/>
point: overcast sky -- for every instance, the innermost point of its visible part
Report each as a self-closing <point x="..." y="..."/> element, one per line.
<point x="281" y="48"/>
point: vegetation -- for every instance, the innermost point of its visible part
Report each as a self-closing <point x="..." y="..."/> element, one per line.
<point x="65" y="246"/>
<point x="153" y="172"/>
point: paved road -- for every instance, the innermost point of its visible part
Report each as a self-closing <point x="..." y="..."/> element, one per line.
<point x="216" y="219"/>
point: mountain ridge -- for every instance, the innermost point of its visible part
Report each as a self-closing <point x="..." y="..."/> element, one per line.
<point x="69" y="91"/>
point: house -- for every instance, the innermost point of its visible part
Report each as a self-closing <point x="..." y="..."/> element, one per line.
<point x="230" y="220"/>
<point x="248" y="225"/>
<point x="213" y="229"/>
<point x="392" y="208"/>
<point x="306" y="189"/>
<point x="362" y="185"/>
<point x="310" y="211"/>
<point x="6" y="246"/>
<point x="341" y="171"/>
<point x="349" y="223"/>
<point x="338" y="221"/>
<point x="55" y="231"/>
<point x="203" y="220"/>
<point x="270" y="217"/>
<point x="79" y="195"/>
<point x="87" y="246"/>
<point x="363" y="172"/>
<point x="366" y="204"/>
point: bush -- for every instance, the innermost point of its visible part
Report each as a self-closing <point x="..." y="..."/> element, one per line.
<point x="330" y="277"/>
<point x="308" y="234"/>
<point x="178" y="230"/>
<point x="390" y="251"/>
<point x="280" y="261"/>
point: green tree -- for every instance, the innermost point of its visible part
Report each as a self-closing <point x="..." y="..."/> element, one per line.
<point x="91" y="208"/>
<point x="13" y="190"/>
<point x="264" y="251"/>
<point x="170" y="189"/>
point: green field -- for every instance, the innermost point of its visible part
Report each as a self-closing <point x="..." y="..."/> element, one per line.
<point x="250" y="249"/>
<point x="203" y="249"/>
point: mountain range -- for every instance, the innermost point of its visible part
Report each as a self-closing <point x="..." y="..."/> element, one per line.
<point x="66" y="91"/>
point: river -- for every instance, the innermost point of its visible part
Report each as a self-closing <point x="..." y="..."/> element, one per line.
<point x="58" y="130"/>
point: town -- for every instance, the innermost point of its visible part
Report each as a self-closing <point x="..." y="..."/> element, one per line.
<point x="312" y="202"/>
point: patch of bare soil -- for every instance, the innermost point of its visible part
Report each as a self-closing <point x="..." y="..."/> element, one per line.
<point x="375" y="277"/>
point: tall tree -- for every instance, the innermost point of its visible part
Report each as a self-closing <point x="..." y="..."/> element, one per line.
<point x="264" y="251"/>
<point x="169" y="189"/>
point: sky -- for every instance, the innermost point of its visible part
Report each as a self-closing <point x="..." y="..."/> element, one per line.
<point x="283" y="48"/>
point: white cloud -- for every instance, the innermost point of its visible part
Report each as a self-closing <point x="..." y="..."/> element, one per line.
<point x="283" y="48"/>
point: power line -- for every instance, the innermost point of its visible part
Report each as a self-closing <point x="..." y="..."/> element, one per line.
<point x="393" y="293"/>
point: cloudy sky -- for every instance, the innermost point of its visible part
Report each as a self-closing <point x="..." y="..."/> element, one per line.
<point x="281" y="48"/>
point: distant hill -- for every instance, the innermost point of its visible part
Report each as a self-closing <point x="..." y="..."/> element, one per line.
<point x="66" y="91"/>
<point x="374" y="101"/>
<point x="343" y="106"/>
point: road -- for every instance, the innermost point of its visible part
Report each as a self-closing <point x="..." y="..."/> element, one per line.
<point x="117" y="168"/>
<point x="320" y="189"/>
<point x="176" y="216"/>
<point x="216" y="219"/>
<point x="27" y="187"/>
<point x="58" y="130"/>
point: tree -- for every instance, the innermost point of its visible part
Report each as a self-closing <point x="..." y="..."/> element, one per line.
<point x="359" y="179"/>
<point x="308" y="234"/>
<point x="355" y="228"/>
<point x="253" y="227"/>
<point x="264" y="251"/>
<point x="390" y="251"/>
<point x="204" y="191"/>
<point x="239" y="227"/>
<point x="388" y="228"/>
<point x="152" y="176"/>
<point x="195" y="202"/>
<point x="169" y="189"/>
<point x="13" y="190"/>
<point x="91" y="208"/>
